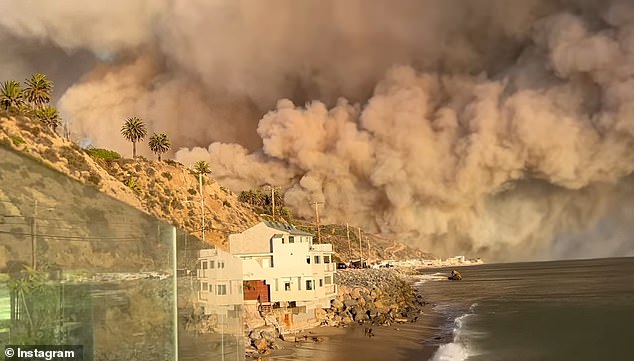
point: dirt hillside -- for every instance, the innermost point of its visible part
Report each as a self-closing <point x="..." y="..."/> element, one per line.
<point x="169" y="191"/>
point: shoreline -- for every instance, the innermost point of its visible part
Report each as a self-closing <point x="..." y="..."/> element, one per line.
<point x="414" y="340"/>
<point x="408" y="341"/>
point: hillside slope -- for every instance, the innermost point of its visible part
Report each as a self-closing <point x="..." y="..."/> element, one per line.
<point x="345" y="241"/>
<point x="167" y="190"/>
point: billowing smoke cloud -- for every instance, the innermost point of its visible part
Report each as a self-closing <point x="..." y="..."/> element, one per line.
<point x="492" y="127"/>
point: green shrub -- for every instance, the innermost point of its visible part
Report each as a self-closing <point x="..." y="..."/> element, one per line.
<point x="192" y="191"/>
<point x="286" y="214"/>
<point x="226" y="203"/>
<point x="93" y="178"/>
<point x="176" y="204"/>
<point x="166" y="175"/>
<point x="75" y="159"/>
<point x="133" y="184"/>
<point x="172" y="162"/>
<point x="51" y="155"/>
<point x="35" y="130"/>
<point x="150" y="172"/>
<point x="17" y="140"/>
<point x="103" y="154"/>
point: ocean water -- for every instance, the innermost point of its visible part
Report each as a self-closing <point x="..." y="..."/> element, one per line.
<point x="561" y="310"/>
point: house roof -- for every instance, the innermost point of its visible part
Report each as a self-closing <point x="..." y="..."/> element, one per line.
<point x="286" y="228"/>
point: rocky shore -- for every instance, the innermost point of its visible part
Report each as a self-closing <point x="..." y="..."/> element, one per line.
<point x="370" y="297"/>
<point x="374" y="296"/>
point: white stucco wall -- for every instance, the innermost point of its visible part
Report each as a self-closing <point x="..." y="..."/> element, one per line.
<point x="276" y="260"/>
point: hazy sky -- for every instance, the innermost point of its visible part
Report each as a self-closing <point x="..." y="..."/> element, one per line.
<point x="490" y="128"/>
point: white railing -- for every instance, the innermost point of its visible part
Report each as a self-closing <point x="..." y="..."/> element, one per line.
<point x="326" y="247"/>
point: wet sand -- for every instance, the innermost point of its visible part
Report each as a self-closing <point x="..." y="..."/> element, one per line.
<point x="407" y="341"/>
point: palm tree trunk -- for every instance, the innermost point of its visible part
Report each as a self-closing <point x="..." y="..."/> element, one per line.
<point x="133" y="150"/>
<point x="159" y="156"/>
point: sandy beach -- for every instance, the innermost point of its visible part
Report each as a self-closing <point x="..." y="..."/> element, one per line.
<point x="407" y="341"/>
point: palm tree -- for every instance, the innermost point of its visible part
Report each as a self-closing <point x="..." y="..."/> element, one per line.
<point x="38" y="90"/>
<point x="11" y="95"/>
<point x="201" y="168"/>
<point x="49" y="116"/>
<point x="159" y="144"/>
<point x="134" y="131"/>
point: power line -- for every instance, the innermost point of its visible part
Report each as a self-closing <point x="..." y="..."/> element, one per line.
<point x="79" y="238"/>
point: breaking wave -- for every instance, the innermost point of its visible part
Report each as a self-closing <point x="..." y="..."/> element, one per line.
<point x="458" y="349"/>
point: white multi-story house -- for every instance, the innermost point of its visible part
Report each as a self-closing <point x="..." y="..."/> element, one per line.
<point x="219" y="293"/>
<point x="282" y="267"/>
<point x="219" y="276"/>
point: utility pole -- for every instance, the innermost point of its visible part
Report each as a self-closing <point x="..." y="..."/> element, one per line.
<point x="348" y="236"/>
<point x="368" y="239"/>
<point x="360" y="249"/>
<point x="317" y="204"/>
<point x="34" y="236"/>
<point x="202" y="205"/>
<point x="273" y="201"/>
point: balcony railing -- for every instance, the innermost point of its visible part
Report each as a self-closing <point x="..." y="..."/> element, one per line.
<point x="326" y="247"/>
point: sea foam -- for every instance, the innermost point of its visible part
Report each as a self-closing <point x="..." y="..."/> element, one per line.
<point x="421" y="279"/>
<point x="457" y="350"/>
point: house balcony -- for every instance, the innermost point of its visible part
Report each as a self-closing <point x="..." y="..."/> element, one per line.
<point x="210" y="252"/>
<point x="322" y="268"/>
<point x="326" y="247"/>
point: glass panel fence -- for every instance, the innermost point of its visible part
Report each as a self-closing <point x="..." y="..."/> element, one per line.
<point x="78" y="267"/>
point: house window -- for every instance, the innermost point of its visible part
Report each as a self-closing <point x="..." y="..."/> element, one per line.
<point x="321" y="283"/>
<point x="309" y="285"/>
<point x="204" y="265"/>
<point x="221" y="264"/>
<point x="212" y="264"/>
<point x="221" y="289"/>
<point x="291" y="239"/>
<point x="326" y="259"/>
<point x="287" y="286"/>
<point x="308" y="259"/>
<point x="328" y="280"/>
<point x="204" y="286"/>
<point x="317" y="260"/>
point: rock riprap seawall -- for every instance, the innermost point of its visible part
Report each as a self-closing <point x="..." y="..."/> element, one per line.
<point x="365" y="296"/>
<point x="375" y="296"/>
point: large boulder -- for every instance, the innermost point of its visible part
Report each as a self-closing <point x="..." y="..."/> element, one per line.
<point x="455" y="276"/>
<point x="337" y="304"/>
<point x="261" y="345"/>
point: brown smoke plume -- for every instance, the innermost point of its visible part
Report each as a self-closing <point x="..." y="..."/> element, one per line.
<point x="493" y="128"/>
